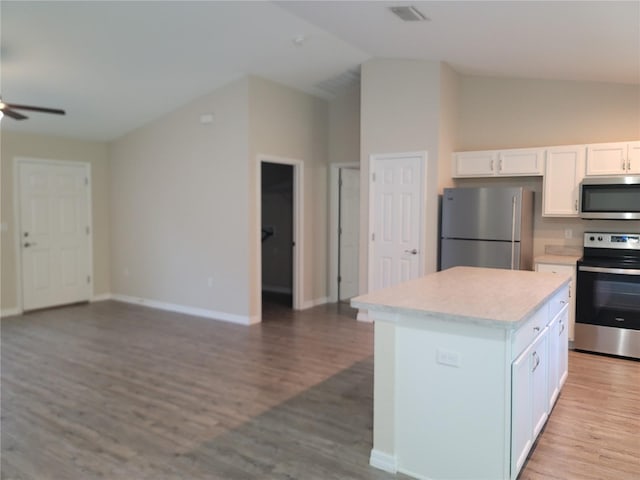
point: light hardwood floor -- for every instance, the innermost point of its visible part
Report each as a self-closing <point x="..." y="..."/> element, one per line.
<point x="116" y="391"/>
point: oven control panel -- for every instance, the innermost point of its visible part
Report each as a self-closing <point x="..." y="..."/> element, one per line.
<point x="624" y="241"/>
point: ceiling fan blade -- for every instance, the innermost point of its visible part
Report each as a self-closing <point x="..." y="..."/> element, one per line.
<point x="15" y="115"/>
<point x="15" y="106"/>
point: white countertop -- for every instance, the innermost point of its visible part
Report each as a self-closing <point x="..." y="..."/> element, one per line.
<point x="503" y="298"/>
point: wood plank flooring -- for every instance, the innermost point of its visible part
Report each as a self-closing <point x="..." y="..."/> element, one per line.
<point x="117" y="391"/>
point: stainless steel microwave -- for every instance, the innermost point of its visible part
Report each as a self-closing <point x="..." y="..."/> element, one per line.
<point x="610" y="198"/>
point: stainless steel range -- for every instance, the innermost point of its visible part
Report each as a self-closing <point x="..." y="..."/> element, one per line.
<point x="608" y="295"/>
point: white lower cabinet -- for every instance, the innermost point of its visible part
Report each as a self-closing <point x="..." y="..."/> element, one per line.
<point x="565" y="270"/>
<point x="465" y="400"/>
<point x="558" y="354"/>
<point x="537" y="375"/>
<point x="529" y="398"/>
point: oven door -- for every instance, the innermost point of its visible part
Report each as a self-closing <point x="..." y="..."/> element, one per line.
<point x="608" y="310"/>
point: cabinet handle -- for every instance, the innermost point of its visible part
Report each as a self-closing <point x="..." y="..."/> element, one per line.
<point x="537" y="359"/>
<point x="491" y="165"/>
<point x="500" y="165"/>
<point x="562" y="302"/>
<point x="561" y="329"/>
<point x="576" y="205"/>
<point x="624" y="164"/>
<point x="536" y="329"/>
<point x="629" y="164"/>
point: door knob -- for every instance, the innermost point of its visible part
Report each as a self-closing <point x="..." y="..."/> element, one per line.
<point x="27" y="244"/>
<point x="412" y="252"/>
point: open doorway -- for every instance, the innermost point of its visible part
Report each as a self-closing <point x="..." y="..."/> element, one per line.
<point x="277" y="225"/>
<point x="345" y="227"/>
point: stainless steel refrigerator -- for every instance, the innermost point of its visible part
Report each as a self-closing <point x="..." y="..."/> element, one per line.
<point x="487" y="227"/>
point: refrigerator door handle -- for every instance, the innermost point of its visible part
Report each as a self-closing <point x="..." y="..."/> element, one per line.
<point x="514" y="200"/>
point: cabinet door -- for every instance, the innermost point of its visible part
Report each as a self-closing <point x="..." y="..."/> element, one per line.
<point x="564" y="170"/>
<point x="475" y="164"/>
<point x="521" y="411"/>
<point x="571" y="271"/>
<point x="539" y="381"/>
<point x="607" y="158"/>
<point x="563" y="347"/>
<point x="633" y="156"/>
<point x="553" y="362"/>
<point x="521" y="161"/>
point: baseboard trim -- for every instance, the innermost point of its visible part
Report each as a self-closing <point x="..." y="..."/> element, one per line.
<point x="314" y="303"/>
<point x="10" y="312"/>
<point x="197" y="312"/>
<point x="363" y="316"/>
<point x="101" y="297"/>
<point x="383" y="461"/>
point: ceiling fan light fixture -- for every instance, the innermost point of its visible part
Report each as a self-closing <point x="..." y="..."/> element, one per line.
<point x="409" y="13"/>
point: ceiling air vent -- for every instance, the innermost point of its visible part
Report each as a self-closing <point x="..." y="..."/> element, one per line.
<point x="409" y="14"/>
<point x="340" y="83"/>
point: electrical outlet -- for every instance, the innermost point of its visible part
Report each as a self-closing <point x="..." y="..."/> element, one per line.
<point x="447" y="357"/>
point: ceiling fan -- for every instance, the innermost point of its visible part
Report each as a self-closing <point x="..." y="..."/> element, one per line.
<point x="9" y="109"/>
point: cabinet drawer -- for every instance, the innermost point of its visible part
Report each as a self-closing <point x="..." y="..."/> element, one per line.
<point x="526" y="334"/>
<point x="558" y="301"/>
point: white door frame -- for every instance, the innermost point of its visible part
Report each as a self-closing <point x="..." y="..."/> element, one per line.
<point x="298" y="208"/>
<point x="423" y="197"/>
<point x="17" y="161"/>
<point x="334" y="225"/>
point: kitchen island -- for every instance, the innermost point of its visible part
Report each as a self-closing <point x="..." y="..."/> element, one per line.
<point x="468" y="364"/>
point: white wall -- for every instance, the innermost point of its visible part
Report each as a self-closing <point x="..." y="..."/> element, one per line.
<point x="54" y="148"/>
<point x="180" y="207"/>
<point x="401" y="112"/>
<point x="344" y="127"/>
<point x="290" y="124"/>
<point x="512" y="113"/>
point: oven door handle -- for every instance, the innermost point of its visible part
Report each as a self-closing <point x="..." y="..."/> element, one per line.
<point x="617" y="271"/>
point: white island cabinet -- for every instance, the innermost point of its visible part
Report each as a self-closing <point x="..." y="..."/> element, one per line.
<point x="468" y="364"/>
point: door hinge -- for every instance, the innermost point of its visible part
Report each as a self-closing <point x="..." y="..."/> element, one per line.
<point x="340" y="231"/>
<point x="339" y="278"/>
<point x="373" y="237"/>
<point x="88" y="278"/>
<point x="86" y="181"/>
<point x="373" y="177"/>
<point x="88" y="231"/>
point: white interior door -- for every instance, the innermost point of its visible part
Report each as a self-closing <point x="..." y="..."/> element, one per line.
<point x="349" y="232"/>
<point x="54" y="233"/>
<point x="395" y="219"/>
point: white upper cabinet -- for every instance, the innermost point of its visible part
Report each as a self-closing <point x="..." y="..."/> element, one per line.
<point x="564" y="170"/>
<point x="491" y="163"/>
<point x="522" y="161"/>
<point x="475" y="164"/>
<point x="621" y="158"/>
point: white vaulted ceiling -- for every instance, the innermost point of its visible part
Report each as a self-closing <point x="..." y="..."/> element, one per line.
<point x="115" y="66"/>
